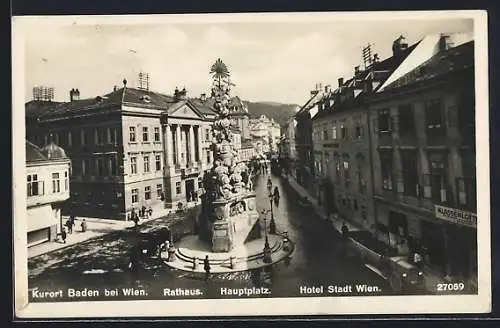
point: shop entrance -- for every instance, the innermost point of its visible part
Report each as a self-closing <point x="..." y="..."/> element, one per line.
<point x="398" y="224"/>
<point x="433" y="242"/>
<point x="190" y="190"/>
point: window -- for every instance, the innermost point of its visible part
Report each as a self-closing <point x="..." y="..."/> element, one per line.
<point x="208" y="156"/>
<point x="384" y="121"/>
<point x="112" y="136"/>
<point x="177" y="188"/>
<point x="406" y="120"/>
<point x="359" y="130"/>
<point x="66" y="182"/>
<point x="133" y="165"/>
<point x="325" y="134"/>
<point x="84" y="137"/>
<point x="112" y="166"/>
<point x="207" y="134"/>
<point x="70" y="138"/>
<point x="159" y="191"/>
<point x="135" y="195"/>
<point x="146" y="164"/>
<point x="361" y="180"/>
<point x="55" y="183"/>
<point x="35" y="187"/>
<point x="334" y="132"/>
<point x="467" y="193"/>
<point x="200" y="183"/>
<point x="346" y="171"/>
<point x="132" y="134"/>
<point x="98" y="136"/>
<point x="56" y="138"/>
<point x="434" y="187"/>
<point x="386" y="170"/>
<point x="147" y="192"/>
<point x="145" y="134"/>
<point x="435" y="182"/>
<point x="158" y="162"/>
<point x="100" y="167"/>
<point x="85" y="167"/>
<point x="355" y="204"/>
<point x="409" y="161"/>
<point x="343" y="131"/>
<point x="157" y="134"/>
<point x="337" y="170"/>
<point x="434" y="116"/>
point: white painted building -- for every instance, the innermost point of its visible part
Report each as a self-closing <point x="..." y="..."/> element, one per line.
<point x="47" y="178"/>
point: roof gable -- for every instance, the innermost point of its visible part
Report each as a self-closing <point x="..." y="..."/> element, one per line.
<point x="184" y="109"/>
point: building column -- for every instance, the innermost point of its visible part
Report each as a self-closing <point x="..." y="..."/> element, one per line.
<point x="169" y="149"/>
<point x="191" y="145"/>
<point x="199" y="145"/>
<point x="178" y="143"/>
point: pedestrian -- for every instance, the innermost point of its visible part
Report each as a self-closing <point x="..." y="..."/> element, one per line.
<point x="63" y="235"/>
<point x="206" y="266"/>
<point x="84" y="225"/>
<point x="345" y="229"/>
<point x="69" y="225"/>
<point x="418" y="260"/>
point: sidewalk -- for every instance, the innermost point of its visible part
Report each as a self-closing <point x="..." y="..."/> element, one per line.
<point x="95" y="227"/>
<point x="432" y="279"/>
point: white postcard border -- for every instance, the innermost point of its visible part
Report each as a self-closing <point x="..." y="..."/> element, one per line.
<point x="480" y="303"/>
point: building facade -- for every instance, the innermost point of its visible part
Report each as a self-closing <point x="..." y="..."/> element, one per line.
<point x="304" y="165"/>
<point x="47" y="175"/>
<point x="423" y="134"/>
<point x="123" y="159"/>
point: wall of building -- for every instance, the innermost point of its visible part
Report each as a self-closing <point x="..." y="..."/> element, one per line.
<point x="349" y="155"/>
<point x="412" y="213"/>
<point x="138" y="153"/>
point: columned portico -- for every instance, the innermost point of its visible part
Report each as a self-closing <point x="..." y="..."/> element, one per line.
<point x="178" y="143"/>
<point x="192" y="159"/>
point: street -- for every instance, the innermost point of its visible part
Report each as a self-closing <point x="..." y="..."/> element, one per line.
<point x="318" y="260"/>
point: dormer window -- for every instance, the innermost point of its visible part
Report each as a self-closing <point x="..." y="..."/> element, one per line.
<point x="146" y="99"/>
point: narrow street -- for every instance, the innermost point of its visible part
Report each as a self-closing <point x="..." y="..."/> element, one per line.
<point x="318" y="260"/>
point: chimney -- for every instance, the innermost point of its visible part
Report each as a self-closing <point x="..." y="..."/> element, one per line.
<point x="115" y="88"/>
<point x="71" y="94"/>
<point x="375" y="58"/>
<point x="124" y="83"/>
<point x="341" y="81"/>
<point x="77" y="95"/>
<point x="356" y="70"/>
<point x="327" y="88"/>
<point x="398" y="46"/>
<point x="444" y="43"/>
<point x="203" y="97"/>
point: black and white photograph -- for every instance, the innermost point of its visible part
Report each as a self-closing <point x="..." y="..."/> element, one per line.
<point x="251" y="164"/>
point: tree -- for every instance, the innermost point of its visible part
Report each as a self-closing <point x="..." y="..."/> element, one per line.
<point x="219" y="70"/>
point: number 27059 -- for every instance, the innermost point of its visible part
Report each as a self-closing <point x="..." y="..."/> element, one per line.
<point x="458" y="286"/>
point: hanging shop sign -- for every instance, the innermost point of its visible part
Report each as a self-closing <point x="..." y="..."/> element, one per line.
<point x="456" y="216"/>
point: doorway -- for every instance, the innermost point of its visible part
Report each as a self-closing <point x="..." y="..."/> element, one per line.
<point x="189" y="190"/>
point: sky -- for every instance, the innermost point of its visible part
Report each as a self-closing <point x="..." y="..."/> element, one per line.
<point x="268" y="61"/>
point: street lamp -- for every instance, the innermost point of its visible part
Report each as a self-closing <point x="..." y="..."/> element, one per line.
<point x="267" y="249"/>
<point x="272" y="225"/>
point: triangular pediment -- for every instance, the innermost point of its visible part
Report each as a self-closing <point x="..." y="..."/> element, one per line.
<point x="184" y="110"/>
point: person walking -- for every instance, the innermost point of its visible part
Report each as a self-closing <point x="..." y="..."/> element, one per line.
<point x="84" y="225"/>
<point x="63" y="235"/>
<point x="69" y="225"/>
<point x="206" y="266"/>
<point x="345" y="229"/>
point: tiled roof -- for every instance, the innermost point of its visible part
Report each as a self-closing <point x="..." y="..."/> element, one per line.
<point x="111" y="101"/>
<point x="35" y="108"/>
<point x="34" y="153"/>
<point x="380" y="71"/>
<point x="452" y="60"/>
